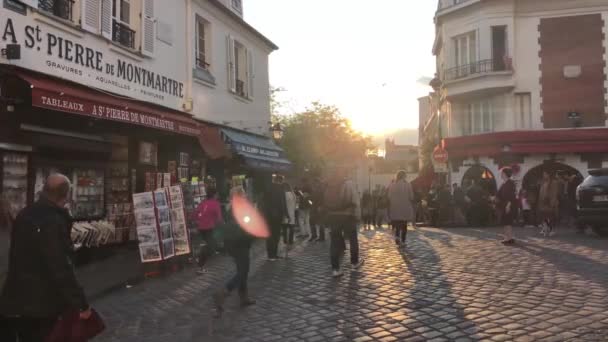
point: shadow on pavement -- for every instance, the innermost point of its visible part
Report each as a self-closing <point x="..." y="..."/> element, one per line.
<point x="432" y="302"/>
<point x="567" y="262"/>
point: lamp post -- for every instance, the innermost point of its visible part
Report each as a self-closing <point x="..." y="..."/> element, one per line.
<point x="277" y="131"/>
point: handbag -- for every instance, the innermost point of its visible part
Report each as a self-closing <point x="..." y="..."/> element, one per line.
<point x="70" y="328"/>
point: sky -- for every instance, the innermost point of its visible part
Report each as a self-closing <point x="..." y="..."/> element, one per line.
<point x="365" y="57"/>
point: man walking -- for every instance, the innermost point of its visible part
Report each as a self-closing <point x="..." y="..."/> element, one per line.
<point x="343" y="210"/>
<point x="41" y="284"/>
<point x="276" y="212"/>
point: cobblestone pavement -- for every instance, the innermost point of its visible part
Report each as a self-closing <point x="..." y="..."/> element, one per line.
<point x="449" y="285"/>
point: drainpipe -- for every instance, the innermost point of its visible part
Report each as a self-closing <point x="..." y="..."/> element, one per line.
<point x="189" y="102"/>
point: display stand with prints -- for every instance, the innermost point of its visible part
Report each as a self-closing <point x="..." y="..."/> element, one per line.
<point x="161" y="228"/>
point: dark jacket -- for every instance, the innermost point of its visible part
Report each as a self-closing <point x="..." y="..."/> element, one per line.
<point x="41" y="280"/>
<point x="275" y="205"/>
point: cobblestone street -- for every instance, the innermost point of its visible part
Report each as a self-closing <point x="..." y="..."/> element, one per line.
<point x="450" y="285"/>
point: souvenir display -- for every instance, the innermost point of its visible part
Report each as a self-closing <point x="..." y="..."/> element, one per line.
<point x="88" y="193"/>
<point x="14" y="180"/>
<point x="180" y="231"/>
<point x="92" y="234"/>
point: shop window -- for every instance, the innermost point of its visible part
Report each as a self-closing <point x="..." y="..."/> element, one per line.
<point x="87" y="194"/>
<point x="148" y="153"/>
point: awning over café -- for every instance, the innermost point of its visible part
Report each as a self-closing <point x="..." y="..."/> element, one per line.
<point x="259" y="152"/>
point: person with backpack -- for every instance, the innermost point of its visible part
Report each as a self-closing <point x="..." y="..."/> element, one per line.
<point x="343" y="212"/>
<point x="208" y="216"/>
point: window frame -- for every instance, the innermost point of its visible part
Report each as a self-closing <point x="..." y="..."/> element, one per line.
<point x="206" y="38"/>
<point x="117" y="12"/>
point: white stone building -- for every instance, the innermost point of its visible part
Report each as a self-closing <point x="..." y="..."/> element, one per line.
<point x="521" y="83"/>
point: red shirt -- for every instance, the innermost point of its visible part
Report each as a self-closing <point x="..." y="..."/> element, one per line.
<point x="208" y="214"/>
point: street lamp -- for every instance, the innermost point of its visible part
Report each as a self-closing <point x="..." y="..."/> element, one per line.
<point x="277" y="131"/>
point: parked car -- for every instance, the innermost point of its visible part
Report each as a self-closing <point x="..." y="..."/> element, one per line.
<point x="592" y="202"/>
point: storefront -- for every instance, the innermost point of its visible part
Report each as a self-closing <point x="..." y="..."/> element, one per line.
<point x="528" y="153"/>
<point x="254" y="160"/>
<point x="109" y="146"/>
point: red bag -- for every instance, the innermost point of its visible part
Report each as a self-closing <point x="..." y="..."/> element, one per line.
<point x="70" y="328"/>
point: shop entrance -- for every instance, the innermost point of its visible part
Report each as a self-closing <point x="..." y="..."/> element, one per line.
<point x="534" y="177"/>
<point x="482" y="176"/>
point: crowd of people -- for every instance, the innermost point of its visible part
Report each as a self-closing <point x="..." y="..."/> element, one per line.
<point x="32" y="298"/>
<point x="477" y="205"/>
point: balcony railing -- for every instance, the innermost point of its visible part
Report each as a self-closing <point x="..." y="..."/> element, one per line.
<point x="481" y="67"/>
<point x="123" y="35"/>
<point x="59" y="8"/>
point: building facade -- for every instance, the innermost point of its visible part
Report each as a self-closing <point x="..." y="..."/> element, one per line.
<point x="521" y="83"/>
<point x="116" y="93"/>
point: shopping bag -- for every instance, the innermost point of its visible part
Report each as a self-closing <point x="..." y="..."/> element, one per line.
<point x="70" y="328"/>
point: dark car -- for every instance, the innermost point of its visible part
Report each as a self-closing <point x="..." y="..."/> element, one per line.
<point x="592" y="202"/>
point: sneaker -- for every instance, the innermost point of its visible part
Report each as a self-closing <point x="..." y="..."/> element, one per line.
<point x="551" y="233"/>
<point x="359" y="264"/>
<point x="273" y="259"/>
<point x="397" y="242"/>
<point x="336" y="273"/>
<point x="201" y="271"/>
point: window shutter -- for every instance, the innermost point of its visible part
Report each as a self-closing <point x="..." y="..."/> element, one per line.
<point x="231" y="64"/>
<point x="250" y="74"/>
<point x="31" y="3"/>
<point x="148" y="28"/>
<point x="90" y="14"/>
<point x="106" y="19"/>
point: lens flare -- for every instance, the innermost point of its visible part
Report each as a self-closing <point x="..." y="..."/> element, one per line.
<point x="248" y="217"/>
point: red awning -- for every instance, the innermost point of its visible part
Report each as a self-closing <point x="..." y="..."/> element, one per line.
<point x="67" y="97"/>
<point x="61" y="95"/>
<point x="596" y="146"/>
<point x="212" y="143"/>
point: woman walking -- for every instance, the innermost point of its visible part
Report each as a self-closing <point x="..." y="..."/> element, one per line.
<point x="507" y="204"/>
<point x="401" y="209"/>
<point x="548" y="203"/>
<point x="208" y="217"/>
<point x="289" y="222"/>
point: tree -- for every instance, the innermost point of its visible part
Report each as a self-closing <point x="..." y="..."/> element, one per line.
<point x="319" y="136"/>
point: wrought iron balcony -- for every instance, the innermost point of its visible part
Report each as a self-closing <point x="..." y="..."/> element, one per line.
<point x="59" y="8"/>
<point x="480" y="67"/>
<point x="123" y="35"/>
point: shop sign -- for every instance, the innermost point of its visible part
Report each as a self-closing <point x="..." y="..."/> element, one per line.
<point x="91" y="61"/>
<point x="258" y="151"/>
<point x="49" y="100"/>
